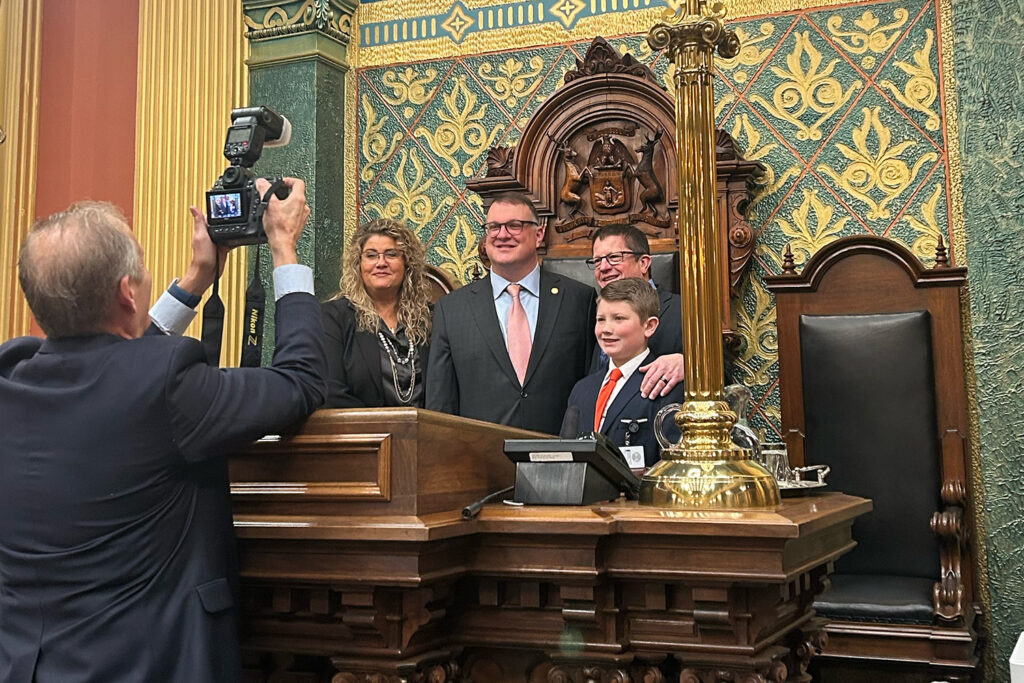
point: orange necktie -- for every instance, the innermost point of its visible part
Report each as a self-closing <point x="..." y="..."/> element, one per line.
<point x="518" y="330"/>
<point x="602" y="398"/>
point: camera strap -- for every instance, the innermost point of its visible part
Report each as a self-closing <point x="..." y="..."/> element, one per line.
<point x="256" y="295"/>
<point x="255" y="305"/>
<point x="213" y="320"/>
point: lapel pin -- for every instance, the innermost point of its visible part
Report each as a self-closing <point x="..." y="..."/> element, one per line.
<point x="554" y="290"/>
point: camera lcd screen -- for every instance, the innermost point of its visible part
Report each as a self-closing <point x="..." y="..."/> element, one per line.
<point x="225" y="205"/>
<point x="238" y="134"/>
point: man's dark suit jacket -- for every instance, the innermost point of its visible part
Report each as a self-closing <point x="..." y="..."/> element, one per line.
<point x="470" y="371"/>
<point x="117" y="552"/>
<point x="353" y="359"/>
<point x="628" y="405"/>
<point x="668" y="338"/>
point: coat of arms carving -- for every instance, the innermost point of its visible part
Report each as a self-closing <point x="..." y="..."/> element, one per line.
<point x="614" y="185"/>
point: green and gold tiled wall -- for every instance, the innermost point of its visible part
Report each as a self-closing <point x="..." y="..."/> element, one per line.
<point x="845" y="105"/>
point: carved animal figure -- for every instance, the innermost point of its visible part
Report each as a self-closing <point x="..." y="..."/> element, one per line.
<point x="644" y="172"/>
<point x="574" y="181"/>
<point x="607" y="157"/>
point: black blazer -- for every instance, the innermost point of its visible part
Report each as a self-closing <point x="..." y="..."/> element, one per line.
<point x="353" y="359"/>
<point x="117" y="551"/>
<point x="470" y="371"/>
<point x="628" y="405"/>
<point x="668" y="338"/>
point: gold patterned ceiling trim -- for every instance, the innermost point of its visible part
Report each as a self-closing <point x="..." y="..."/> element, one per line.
<point x="20" y="24"/>
<point x="191" y="74"/>
<point x="396" y="10"/>
<point x="546" y="31"/>
<point x="508" y="39"/>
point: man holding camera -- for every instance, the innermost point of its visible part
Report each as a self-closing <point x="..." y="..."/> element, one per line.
<point x="117" y="558"/>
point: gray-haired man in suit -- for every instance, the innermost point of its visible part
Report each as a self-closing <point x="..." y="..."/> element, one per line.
<point x="509" y="348"/>
<point x="117" y="554"/>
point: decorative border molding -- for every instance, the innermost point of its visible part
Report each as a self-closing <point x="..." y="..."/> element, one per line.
<point x="393" y="31"/>
<point x="326" y="16"/>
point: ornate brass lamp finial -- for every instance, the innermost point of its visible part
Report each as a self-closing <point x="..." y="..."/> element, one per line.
<point x="705" y="470"/>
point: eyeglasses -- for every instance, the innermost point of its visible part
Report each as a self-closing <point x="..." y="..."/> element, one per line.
<point x="513" y="227"/>
<point x="389" y="255"/>
<point x="613" y="259"/>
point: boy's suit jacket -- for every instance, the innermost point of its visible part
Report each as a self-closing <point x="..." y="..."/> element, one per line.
<point x="628" y="405"/>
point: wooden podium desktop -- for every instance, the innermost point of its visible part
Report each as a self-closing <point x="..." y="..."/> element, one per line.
<point x="356" y="566"/>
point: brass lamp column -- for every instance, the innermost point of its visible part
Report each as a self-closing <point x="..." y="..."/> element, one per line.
<point x="705" y="470"/>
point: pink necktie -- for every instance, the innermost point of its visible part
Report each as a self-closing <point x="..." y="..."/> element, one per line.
<point x="518" y="329"/>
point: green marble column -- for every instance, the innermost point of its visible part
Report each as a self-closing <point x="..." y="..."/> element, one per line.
<point x="987" y="38"/>
<point x="298" y="63"/>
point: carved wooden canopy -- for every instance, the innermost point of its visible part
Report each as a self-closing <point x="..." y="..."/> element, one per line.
<point x="601" y="149"/>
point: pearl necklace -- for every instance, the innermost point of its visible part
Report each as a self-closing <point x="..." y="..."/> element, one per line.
<point x="410" y="360"/>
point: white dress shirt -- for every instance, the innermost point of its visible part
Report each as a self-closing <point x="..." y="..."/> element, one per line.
<point x="627" y="369"/>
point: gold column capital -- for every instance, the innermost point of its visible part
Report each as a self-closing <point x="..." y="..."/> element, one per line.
<point x="283" y="30"/>
<point x="703" y="29"/>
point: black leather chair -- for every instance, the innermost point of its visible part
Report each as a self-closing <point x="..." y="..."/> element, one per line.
<point x="872" y="384"/>
<point x="664" y="270"/>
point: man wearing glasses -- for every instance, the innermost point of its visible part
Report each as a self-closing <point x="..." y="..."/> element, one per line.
<point x="509" y="348"/>
<point x="622" y="251"/>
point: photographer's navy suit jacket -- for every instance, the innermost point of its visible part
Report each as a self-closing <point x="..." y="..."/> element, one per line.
<point x="117" y="552"/>
<point x="628" y="405"/>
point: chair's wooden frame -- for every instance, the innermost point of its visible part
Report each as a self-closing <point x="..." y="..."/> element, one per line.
<point x="865" y="275"/>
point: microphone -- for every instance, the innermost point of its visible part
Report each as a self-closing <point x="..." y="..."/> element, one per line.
<point x="473" y="509"/>
<point x="570" y="423"/>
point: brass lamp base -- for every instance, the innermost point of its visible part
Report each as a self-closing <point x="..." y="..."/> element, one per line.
<point x="724" y="479"/>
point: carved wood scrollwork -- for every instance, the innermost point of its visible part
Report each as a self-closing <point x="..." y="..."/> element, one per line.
<point x="550" y="672"/>
<point x="499" y="161"/>
<point x="768" y="667"/>
<point x="741" y="241"/>
<point x="772" y="673"/>
<point x="441" y="672"/>
<point x="809" y="642"/>
<point x="602" y="58"/>
<point x="948" y="526"/>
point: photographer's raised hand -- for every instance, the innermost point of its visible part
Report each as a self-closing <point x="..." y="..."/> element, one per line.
<point x="205" y="257"/>
<point x="284" y="220"/>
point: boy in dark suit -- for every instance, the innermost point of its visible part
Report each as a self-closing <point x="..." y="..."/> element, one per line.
<point x="609" y="400"/>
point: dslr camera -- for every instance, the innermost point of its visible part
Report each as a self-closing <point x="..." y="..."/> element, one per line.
<point x="234" y="207"/>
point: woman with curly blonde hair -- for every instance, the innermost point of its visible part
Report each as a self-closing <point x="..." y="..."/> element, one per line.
<point x="378" y="328"/>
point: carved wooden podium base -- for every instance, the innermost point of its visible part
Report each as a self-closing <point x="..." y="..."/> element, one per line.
<point x="357" y="568"/>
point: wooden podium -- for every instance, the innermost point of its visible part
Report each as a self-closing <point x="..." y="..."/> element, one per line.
<point x="356" y="566"/>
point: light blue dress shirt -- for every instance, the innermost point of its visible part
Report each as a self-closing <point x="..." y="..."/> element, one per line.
<point x="172" y="316"/>
<point x="529" y="296"/>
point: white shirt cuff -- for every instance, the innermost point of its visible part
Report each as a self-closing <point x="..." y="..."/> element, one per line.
<point x="292" y="278"/>
<point x="170" y="315"/>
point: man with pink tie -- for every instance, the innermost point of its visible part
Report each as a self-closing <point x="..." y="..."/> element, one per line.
<point x="509" y="348"/>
